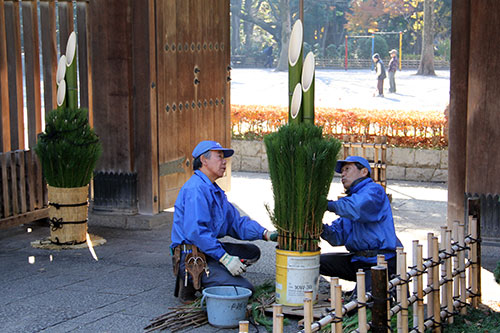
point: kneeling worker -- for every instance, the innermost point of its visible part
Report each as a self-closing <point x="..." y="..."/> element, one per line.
<point x="202" y="215"/>
<point x="365" y="225"/>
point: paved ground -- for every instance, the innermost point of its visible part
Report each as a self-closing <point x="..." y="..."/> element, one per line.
<point x="131" y="283"/>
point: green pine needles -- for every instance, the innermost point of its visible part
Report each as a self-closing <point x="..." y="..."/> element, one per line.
<point x="301" y="166"/>
<point x="68" y="149"/>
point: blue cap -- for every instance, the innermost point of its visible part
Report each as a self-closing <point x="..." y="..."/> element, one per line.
<point x="205" y="146"/>
<point x="353" y="159"/>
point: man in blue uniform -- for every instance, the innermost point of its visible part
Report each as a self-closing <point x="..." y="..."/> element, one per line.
<point x="203" y="215"/>
<point x="365" y="225"/>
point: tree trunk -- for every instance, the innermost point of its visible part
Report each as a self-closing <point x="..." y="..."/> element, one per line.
<point x="427" y="58"/>
<point x="248" y="27"/>
<point x="235" y="25"/>
<point x="286" y="28"/>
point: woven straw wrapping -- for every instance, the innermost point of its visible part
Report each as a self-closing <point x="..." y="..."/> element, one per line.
<point x="68" y="196"/>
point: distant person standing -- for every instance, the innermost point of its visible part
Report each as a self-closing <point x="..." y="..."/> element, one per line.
<point x="379" y="67"/>
<point x="268" y="56"/>
<point x="393" y="67"/>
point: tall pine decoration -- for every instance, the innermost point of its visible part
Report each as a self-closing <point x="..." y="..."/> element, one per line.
<point x="68" y="150"/>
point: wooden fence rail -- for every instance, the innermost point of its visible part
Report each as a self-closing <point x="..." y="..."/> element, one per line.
<point x="23" y="193"/>
<point x="453" y="282"/>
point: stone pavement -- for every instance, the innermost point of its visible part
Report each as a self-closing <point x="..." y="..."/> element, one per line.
<point x="132" y="282"/>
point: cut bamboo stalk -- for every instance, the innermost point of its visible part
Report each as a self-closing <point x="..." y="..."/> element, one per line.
<point x="337" y="328"/>
<point x="399" y="250"/>
<point x="61" y="69"/>
<point x="360" y="281"/>
<point x="333" y="282"/>
<point x="415" y="279"/>
<point x="474" y="267"/>
<point x="435" y="280"/>
<point x="456" y="278"/>
<point x="243" y="326"/>
<point x="442" y="247"/>
<point x="295" y="64"/>
<point x="61" y="95"/>
<point x="277" y="309"/>
<point x="449" y="278"/>
<point x="461" y="268"/>
<point x="420" y="288"/>
<point x="430" y="277"/>
<point x="308" y="309"/>
<point x="308" y="88"/>
<point x="381" y="262"/>
<point x="295" y="105"/>
<point x="404" y="295"/>
<point x="279" y="321"/>
<point x="71" y="77"/>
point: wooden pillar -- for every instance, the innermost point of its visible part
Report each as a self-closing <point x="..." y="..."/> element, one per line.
<point x="457" y="112"/>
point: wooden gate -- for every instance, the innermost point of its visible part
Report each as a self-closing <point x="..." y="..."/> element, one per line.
<point x="193" y="72"/>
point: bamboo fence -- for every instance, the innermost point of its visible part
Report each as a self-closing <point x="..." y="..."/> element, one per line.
<point x="452" y="269"/>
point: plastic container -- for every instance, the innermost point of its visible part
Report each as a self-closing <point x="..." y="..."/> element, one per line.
<point x="226" y="305"/>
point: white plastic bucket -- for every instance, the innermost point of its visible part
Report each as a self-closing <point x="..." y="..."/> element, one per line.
<point x="226" y="305"/>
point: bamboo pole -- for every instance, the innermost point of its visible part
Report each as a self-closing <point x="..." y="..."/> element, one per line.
<point x="338" y="309"/>
<point x="430" y="297"/>
<point x="381" y="262"/>
<point x="442" y="247"/>
<point x="277" y="309"/>
<point x="415" y="278"/>
<point x="279" y="322"/>
<point x="379" y="289"/>
<point x="295" y="49"/>
<point x="243" y="326"/>
<point x="307" y="314"/>
<point x="456" y="278"/>
<point x="399" y="250"/>
<point x="308" y="88"/>
<point x="435" y="280"/>
<point x="449" y="278"/>
<point x="333" y="282"/>
<point x="360" y="281"/>
<point x="461" y="268"/>
<point x="473" y="272"/>
<point x="420" y="287"/>
<point x="404" y="294"/>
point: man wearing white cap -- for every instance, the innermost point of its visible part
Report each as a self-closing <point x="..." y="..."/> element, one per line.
<point x="203" y="215"/>
<point x="365" y="226"/>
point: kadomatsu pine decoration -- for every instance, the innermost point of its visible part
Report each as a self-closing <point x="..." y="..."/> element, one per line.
<point x="68" y="150"/>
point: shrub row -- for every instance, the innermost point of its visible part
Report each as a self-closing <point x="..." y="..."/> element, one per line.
<point x="402" y="128"/>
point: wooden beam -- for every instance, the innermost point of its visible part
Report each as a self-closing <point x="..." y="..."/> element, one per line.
<point x="24" y="218"/>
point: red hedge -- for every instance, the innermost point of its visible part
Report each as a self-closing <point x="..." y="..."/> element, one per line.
<point x="402" y="128"/>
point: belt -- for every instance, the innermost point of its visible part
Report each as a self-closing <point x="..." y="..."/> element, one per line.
<point x="372" y="253"/>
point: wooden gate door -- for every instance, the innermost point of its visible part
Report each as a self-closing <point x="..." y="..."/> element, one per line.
<point x="193" y="57"/>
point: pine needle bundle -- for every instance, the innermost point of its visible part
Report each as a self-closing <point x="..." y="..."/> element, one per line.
<point x="68" y="149"/>
<point x="301" y="166"/>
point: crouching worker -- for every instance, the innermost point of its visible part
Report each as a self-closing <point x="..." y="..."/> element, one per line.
<point x="203" y="215"/>
<point x="365" y="225"/>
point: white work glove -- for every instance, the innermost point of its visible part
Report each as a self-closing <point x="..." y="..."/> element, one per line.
<point x="271" y="235"/>
<point x="233" y="264"/>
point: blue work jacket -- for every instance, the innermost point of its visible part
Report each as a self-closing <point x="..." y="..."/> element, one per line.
<point x="365" y="221"/>
<point x="203" y="214"/>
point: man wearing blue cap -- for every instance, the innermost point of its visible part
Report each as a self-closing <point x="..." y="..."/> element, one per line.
<point x="203" y="215"/>
<point x="365" y="226"/>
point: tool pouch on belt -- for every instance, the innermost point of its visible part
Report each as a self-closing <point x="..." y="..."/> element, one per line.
<point x="176" y="260"/>
<point x="196" y="264"/>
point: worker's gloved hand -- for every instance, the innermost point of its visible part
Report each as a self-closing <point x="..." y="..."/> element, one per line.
<point x="233" y="264"/>
<point x="271" y="235"/>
